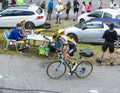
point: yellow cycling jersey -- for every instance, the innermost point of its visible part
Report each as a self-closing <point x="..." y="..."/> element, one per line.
<point x="68" y="39"/>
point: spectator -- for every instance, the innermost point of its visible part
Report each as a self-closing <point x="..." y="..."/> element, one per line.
<point x="13" y="2"/>
<point x="58" y="9"/>
<point x="110" y="36"/>
<point x="75" y="9"/>
<point x="100" y="4"/>
<point x="49" y="9"/>
<point x="42" y="5"/>
<point x="56" y="42"/>
<point x="15" y="34"/>
<point x="83" y="7"/>
<point x="23" y="31"/>
<point x="19" y="2"/>
<point x="112" y="4"/>
<point x="68" y="7"/>
<point x="30" y="1"/>
<point x="89" y="7"/>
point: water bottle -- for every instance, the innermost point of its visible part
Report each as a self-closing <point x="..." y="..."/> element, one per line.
<point x="32" y="32"/>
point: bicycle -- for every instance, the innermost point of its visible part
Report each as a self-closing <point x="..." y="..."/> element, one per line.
<point x="57" y="69"/>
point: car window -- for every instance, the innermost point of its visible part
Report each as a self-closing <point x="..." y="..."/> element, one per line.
<point x="118" y="17"/>
<point x="116" y="24"/>
<point x="6" y="13"/>
<point x="22" y="12"/>
<point x="16" y="13"/>
<point x="107" y="15"/>
<point x="96" y="14"/>
<point x="79" y="25"/>
<point x="94" y="24"/>
<point x="39" y="11"/>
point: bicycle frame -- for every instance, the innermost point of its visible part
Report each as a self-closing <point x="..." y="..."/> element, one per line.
<point x="82" y="70"/>
<point x="63" y="61"/>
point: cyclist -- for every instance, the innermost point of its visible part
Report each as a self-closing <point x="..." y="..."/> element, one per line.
<point x="68" y="46"/>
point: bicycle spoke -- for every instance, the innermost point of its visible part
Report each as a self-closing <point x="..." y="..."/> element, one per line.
<point x="56" y="70"/>
<point x="84" y="69"/>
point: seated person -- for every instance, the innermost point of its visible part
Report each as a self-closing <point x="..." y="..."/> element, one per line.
<point x="23" y="31"/>
<point x="15" y="34"/>
<point x="57" y="42"/>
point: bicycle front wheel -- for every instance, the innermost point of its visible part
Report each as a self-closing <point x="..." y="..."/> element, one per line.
<point x="56" y="70"/>
<point x="84" y="69"/>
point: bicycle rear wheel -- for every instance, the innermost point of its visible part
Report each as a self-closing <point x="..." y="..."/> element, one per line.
<point x="56" y="70"/>
<point x="84" y="69"/>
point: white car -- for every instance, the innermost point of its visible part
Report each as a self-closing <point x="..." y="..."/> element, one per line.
<point x="33" y="14"/>
<point x="100" y="13"/>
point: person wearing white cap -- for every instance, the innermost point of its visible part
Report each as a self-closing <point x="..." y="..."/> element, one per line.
<point x="58" y="9"/>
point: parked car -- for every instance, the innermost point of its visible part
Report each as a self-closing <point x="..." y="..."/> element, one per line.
<point x="100" y="13"/>
<point x="92" y="30"/>
<point x="33" y="14"/>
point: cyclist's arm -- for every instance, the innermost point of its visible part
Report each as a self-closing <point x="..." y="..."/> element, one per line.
<point x="66" y="50"/>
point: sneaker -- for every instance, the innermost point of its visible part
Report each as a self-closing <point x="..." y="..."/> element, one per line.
<point x="20" y="49"/>
<point x="74" y="66"/>
<point x="111" y="64"/>
<point x="98" y="61"/>
<point x="73" y="19"/>
<point x="25" y="50"/>
<point x="69" y="73"/>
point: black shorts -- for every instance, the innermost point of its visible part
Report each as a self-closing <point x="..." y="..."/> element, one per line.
<point x="50" y="11"/>
<point x="109" y="45"/>
<point x="67" y="11"/>
<point x="76" y="10"/>
<point x="72" y="50"/>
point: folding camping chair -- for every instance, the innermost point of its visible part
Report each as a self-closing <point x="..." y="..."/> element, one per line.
<point x="10" y="41"/>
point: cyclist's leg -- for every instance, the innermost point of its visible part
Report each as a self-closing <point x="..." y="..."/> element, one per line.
<point x="69" y="59"/>
<point x="72" y="50"/>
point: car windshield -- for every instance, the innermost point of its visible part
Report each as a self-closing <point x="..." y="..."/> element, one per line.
<point x="79" y="25"/>
<point x="96" y="14"/>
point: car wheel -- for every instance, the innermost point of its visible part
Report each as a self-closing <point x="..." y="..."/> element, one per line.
<point x="29" y="25"/>
<point x="81" y="20"/>
<point x="117" y="43"/>
<point x="73" y="36"/>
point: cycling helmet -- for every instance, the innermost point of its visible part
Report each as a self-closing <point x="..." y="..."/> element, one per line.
<point x="59" y="32"/>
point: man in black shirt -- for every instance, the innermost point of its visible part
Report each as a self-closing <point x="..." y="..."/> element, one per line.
<point x="110" y="36"/>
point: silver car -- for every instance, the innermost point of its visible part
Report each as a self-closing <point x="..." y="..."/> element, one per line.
<point x="92" y="30"/>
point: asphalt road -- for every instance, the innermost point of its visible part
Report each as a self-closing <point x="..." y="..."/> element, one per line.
<point x="28" y="75"/>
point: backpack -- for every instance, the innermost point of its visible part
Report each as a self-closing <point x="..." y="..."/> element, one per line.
<point x="86" y="52"/>
<point x="51" y="46"/>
